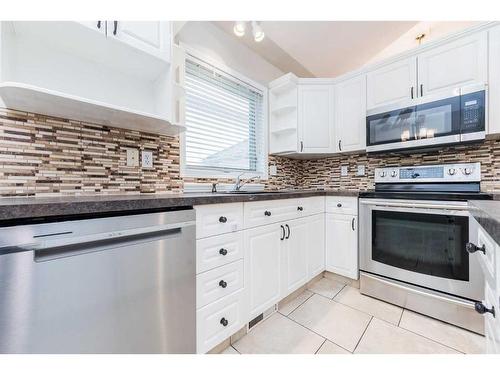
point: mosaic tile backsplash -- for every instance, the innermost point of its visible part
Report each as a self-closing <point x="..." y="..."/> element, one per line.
<point x="42" y="156"/>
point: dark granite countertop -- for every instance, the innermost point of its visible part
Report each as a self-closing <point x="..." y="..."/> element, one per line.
<point x="34" y="207"/>
<point x="487" y="214"/>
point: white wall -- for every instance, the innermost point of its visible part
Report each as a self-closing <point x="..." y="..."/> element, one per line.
<point x="208" y="39"/>
<point x="432" y="30"/>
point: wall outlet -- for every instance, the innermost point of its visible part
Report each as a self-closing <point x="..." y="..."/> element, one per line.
<point x="132" y="157"/>
<point x="344" y="170"/>
<point x="273" y="170"/>
<point x="361" y="170"/>
<point x="147" y="159"/>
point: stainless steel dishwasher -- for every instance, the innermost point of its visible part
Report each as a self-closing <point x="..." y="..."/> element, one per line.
<point x="117" y="284"/>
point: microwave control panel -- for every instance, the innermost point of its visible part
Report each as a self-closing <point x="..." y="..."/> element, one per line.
<point x="473" y="112"/>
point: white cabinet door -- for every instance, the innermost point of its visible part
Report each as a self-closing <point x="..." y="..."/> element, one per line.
<point x="392" y="83"/>
<point x="99" y="26"/>
<point x="342" y="245"/>
<point x="294" y="256"/>
<point x="152" y="37"/>
<point x="459" y="63"/>
<point x="316" y="119"/>
<point x="315" y="245"/>
<point x="493" y="125"/>
<point x="350" y="115"/>
<point x="262" y="267"/>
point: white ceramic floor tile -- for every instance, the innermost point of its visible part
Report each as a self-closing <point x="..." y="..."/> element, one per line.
<point x="447" y="334"/>
<point x="330" y="348"/>
<point x="229" y="350"/>
<point x="384" y="338"/>
<point x="291" y="305"/>
<point x="352" y="297"/>
<point x="277" y="335"/>
<point x="338" y="323"/>
<point x="326" y="287"/>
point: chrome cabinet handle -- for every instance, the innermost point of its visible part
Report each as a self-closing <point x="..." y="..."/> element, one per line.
<point x="267" y="213"/>
<point x="222" y="219"/>
<point x="301" y="146"/>
<point x="282" y="233"/>
<point x="98" y="24"/>
<point x="288" y="235"/>
<point x="421" y="89"/>
<point x="339" y="205"/>
<point x="340" y="145"/>
<point x="352" y="223"/>
<point x="300" y="208"/>
<point x="224" y="322"/>
<point x="115" y="27"/>
<point x="411" y="92"/>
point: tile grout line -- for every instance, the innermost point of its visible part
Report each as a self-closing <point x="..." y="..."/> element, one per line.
<point x="312" y="294"/>
<point x="323" y="343"/>
<point x="316" y="333"/>
<point x="366" y="328"/>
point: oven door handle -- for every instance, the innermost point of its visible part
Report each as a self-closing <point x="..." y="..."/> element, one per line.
<point x="436" y="206"/>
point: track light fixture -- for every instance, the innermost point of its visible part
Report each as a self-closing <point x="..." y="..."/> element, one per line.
<point x="239" y="29"/>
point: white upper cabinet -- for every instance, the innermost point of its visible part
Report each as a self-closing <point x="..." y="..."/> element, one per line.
<point x="494" y="81"/>
<point x="315" y="111"/>
<point x="152" y="37"/>
<point x="350" y="115"/>
<point x="392" y="83"/>
<point x="455" y="64"/>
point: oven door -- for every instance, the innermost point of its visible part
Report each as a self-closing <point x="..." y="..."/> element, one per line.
<point x="427" y="122"/>
<point x="422" y="243"/>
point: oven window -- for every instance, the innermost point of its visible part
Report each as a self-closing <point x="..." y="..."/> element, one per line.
<point x="428" y="244"/>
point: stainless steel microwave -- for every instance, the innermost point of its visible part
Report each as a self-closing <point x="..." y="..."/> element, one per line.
<point x="454" y="117"/>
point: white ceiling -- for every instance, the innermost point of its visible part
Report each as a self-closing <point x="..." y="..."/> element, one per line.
<point x="322" y="48"/>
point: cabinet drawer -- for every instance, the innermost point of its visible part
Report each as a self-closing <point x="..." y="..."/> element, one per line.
<point x="310" y="206"/>
<point x="342" y="205"/>
<point x="487" y="260"/>
<point x="268" y="212"/>
<point x="216" y="219"/>
<point x="216" y="251"/>
<point x="218" y="283"/>
<point x="219" y="320"/>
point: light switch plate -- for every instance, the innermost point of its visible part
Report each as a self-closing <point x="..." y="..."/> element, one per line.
<point x="147" y="159"/>
<point x="344" y="170"/>
<point x="361" y="170"/>
<point x="273" y="170"/>
<point x="132" y="157"/>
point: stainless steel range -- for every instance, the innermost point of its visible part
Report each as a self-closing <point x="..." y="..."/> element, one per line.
<point x="413" y="234"/>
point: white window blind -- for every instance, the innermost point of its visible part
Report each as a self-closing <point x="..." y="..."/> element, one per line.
<point x="224" y="121"/>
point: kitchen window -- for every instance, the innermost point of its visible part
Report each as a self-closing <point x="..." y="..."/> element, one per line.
<point x="226" y="122"/>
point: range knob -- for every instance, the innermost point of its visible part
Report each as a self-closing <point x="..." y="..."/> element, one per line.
<point x="382" y="174"/>
<point x="452" y="171"/>
<point x="467" y="171"/>
<point x="394" y="174"/>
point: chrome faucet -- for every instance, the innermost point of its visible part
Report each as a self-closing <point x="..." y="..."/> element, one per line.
<point x="238" y="185"/>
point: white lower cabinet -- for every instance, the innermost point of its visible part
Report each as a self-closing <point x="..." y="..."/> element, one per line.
<point x="219" y="320"/>
<point x="342" y="245"/>
<point x="294" y="249"/>
<point x="262" y="267"/>
<point x="315" y="245"/>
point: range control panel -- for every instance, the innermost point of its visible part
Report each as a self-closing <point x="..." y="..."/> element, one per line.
<point x="464" y="172"/>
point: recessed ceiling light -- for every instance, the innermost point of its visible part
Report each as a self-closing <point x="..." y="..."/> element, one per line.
<point x="239" y="28"/>
<point x="258" y="33"/>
